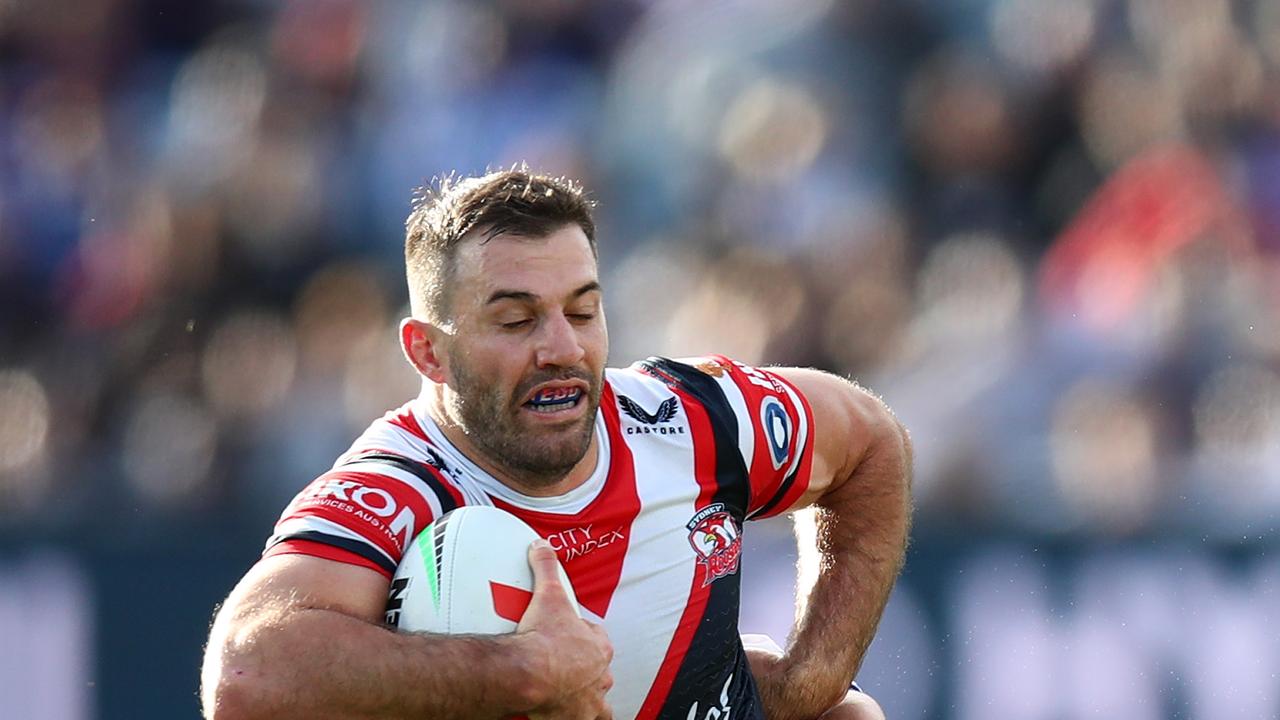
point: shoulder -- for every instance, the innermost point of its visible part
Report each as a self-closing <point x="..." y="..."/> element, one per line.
<point x="398" y="432"/>
<point x="375" y="499"/>
<point x="719" y="382"/>
<point x="699" y="374"/>
<point x="757" y="409"/>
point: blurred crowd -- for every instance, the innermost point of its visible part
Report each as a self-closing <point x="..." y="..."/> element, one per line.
<point x="1048" y="232"/>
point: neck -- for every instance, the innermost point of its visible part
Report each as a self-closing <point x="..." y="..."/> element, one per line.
<point x="533" y="485"/>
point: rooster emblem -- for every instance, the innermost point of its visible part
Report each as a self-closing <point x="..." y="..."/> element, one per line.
<point x="717" y="540"/>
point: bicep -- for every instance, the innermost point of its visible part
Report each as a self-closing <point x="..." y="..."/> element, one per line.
<point x="316" y="583"/>
<point x="244" y="641"/>
<point x="280" y="584"/>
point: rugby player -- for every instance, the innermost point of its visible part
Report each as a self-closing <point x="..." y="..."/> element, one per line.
<point x="638" y="478"/>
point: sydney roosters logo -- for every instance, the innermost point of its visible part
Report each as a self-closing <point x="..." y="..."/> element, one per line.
<point x="715" y="537"/>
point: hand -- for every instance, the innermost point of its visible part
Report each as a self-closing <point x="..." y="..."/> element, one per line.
<point x="571" y="655"/>
<point x="767" y="665"/>
<point x="855" y="706"/>
<point x="764" y="656"/>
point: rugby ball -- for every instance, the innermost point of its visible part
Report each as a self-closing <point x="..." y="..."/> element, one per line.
<point x="466" y="573"/>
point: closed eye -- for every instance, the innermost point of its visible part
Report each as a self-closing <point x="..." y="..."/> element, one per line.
<point x="516" y="325"/>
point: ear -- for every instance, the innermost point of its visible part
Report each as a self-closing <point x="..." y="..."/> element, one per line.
<point x="419" y="341"/>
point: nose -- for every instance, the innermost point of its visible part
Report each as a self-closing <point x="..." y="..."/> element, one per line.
<point x="558" y="343"/>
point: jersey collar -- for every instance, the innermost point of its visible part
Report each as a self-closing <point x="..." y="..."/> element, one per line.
<point x="569" y="503"/>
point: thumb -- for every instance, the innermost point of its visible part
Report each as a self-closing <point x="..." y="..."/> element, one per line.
<point x="546" y="570"/>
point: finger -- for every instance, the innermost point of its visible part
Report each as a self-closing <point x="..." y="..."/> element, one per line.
<point x="546" y="571"/>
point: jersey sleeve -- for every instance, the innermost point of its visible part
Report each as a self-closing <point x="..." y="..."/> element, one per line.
<point x="773" y="427"/>
<point x="365" y="511"/>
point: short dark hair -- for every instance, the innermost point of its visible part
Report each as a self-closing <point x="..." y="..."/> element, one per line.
<point x="512" y="202"/>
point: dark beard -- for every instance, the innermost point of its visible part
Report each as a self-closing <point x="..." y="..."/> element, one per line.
<point x="491" y="423"/>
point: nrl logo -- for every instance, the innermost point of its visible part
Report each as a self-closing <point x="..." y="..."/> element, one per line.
<point x="665" y="413"/>
<point x="714" y="535"/>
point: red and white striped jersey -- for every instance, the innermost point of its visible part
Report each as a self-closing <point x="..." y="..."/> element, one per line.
<point x="651" y="541"/>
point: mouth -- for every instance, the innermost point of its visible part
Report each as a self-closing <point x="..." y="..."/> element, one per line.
<point x="551" y="400"/>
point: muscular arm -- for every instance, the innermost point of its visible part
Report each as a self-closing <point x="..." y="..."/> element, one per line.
<point x="860" y="493"/>
<point x="301" y="637"/>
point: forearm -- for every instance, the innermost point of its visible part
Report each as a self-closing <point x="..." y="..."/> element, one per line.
<point x="317" y="664"/>
<point x="860" y="536"/>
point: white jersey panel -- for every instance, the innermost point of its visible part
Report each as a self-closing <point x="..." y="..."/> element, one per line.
<point x="658" y="571"/>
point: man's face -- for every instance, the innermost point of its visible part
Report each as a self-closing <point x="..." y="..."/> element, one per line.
<point x="525" y="360"/>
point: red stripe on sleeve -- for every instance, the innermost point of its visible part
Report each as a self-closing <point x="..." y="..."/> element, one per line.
<point x="763" y="478"/>
<point x="804" y="470"/>
<point x="322" y="550"/>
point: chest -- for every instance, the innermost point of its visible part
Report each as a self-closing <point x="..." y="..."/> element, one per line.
<point x="658" y="568"/>
<point x="663" y="524"/>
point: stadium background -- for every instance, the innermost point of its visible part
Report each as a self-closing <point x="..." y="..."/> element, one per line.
<point x="1045" y="230"/>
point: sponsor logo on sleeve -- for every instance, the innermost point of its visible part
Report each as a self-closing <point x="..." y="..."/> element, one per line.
<point x="715" y="538"/>
<point x="371" y="505"/>
<point x="777" y="430"/>
<point x="760" y="379"/>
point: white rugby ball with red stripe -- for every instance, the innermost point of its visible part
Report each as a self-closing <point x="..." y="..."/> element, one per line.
<point x="466" y="573"/>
